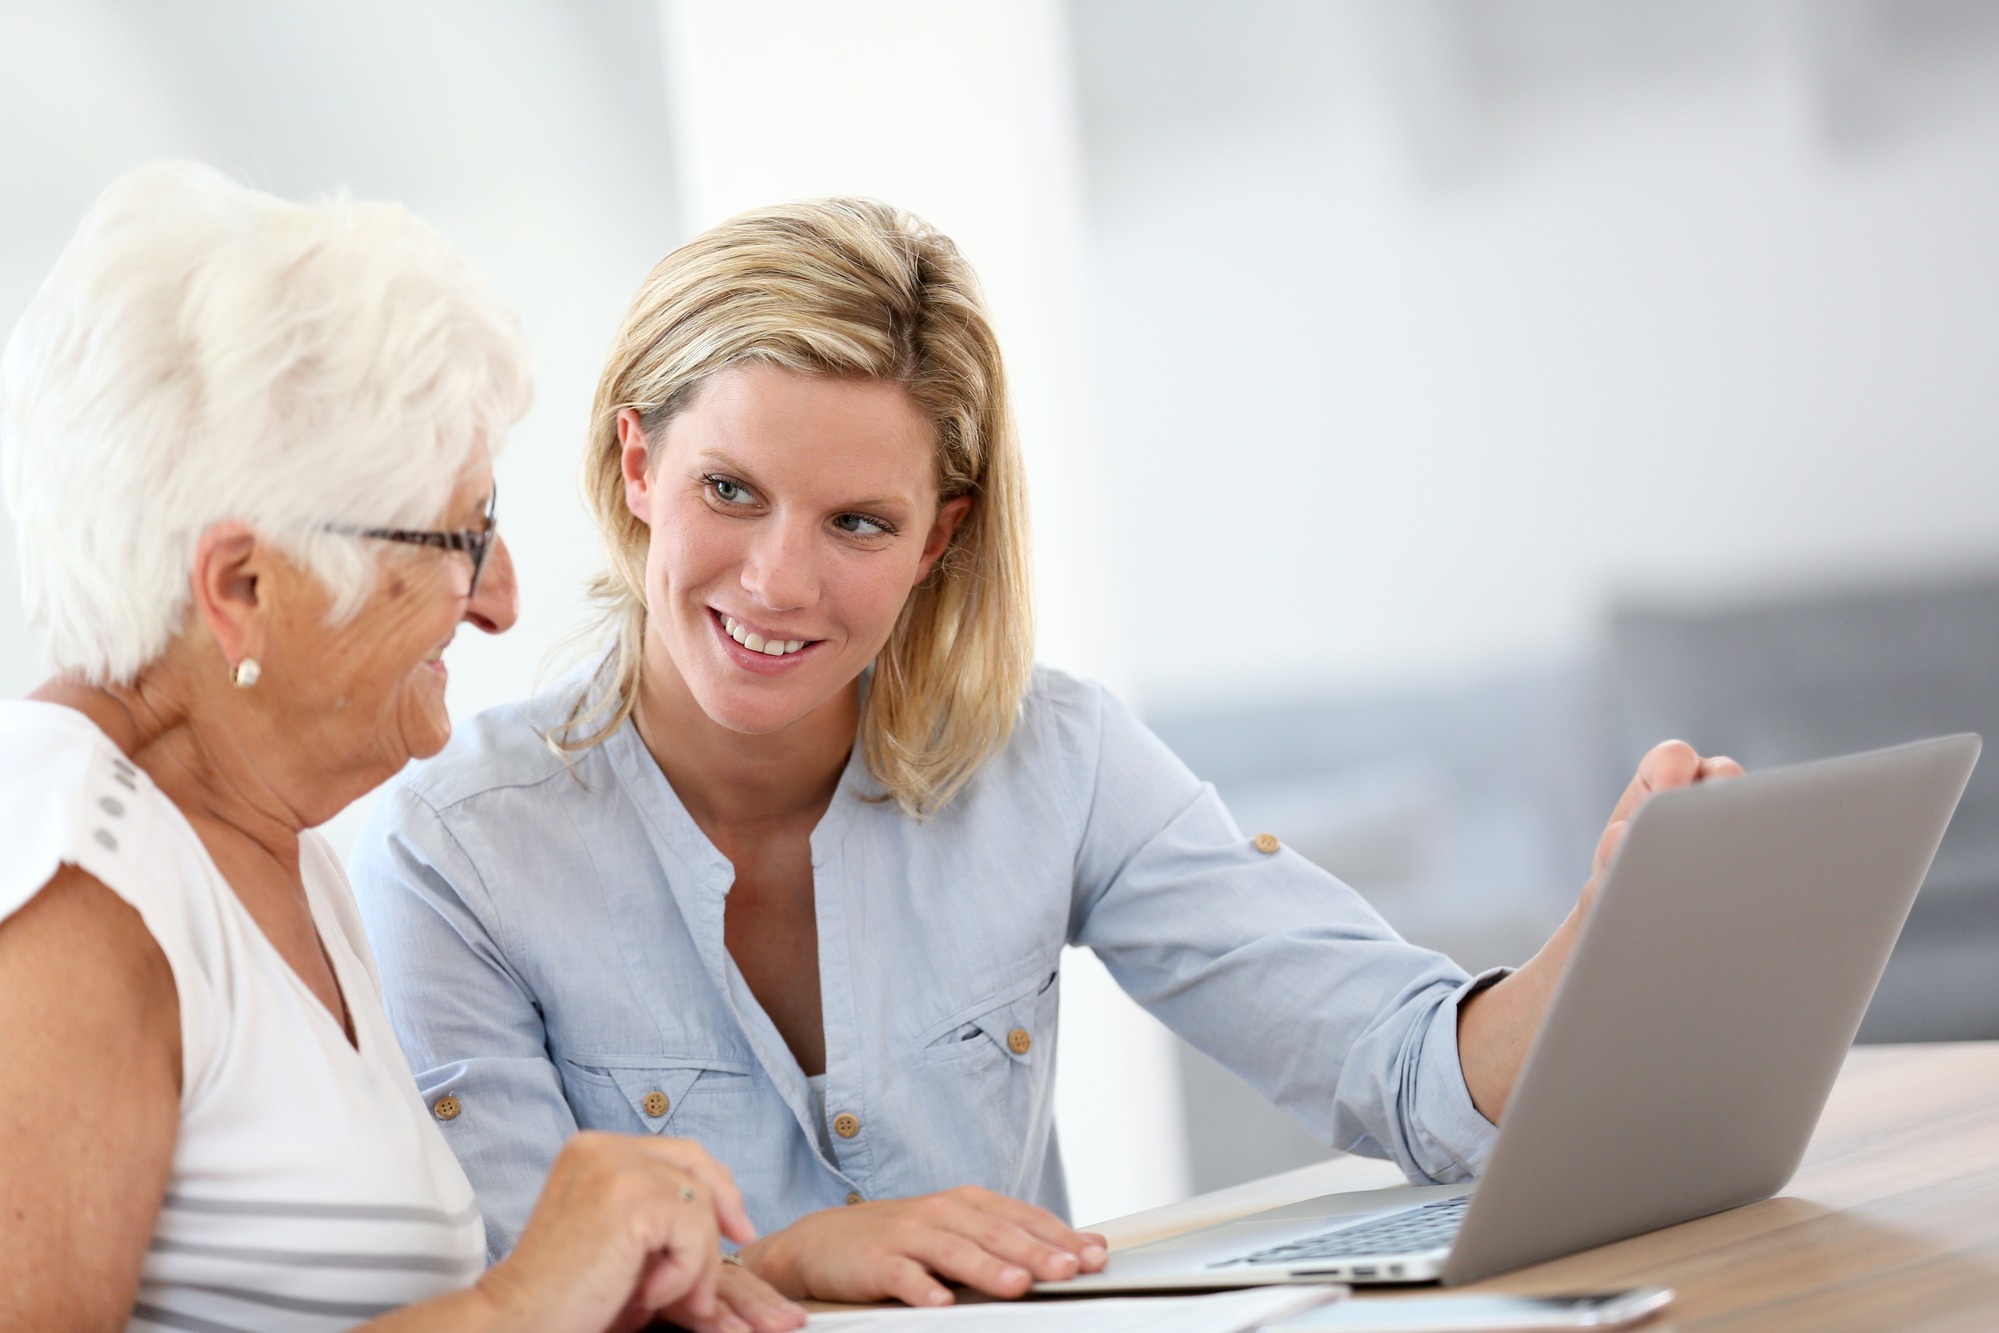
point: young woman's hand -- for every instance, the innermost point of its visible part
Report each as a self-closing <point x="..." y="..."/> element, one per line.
<point x="898" y="1249"/>
<point x="1667" y="764"/>
<point x="1496" y="1026"/>
<point x="628" y="1230"/>
<point x="744" y="1303"/>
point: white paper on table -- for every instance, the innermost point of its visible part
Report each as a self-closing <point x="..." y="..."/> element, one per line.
<point x="1226" y="1312"/>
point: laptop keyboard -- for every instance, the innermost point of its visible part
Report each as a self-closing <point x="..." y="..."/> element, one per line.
<point x="1414" y="1231"/>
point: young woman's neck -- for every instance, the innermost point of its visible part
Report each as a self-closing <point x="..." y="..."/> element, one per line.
<point x="730" y="778"/>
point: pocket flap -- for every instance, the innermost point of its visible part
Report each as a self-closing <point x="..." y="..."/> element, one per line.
<point x="1007" y="1020"/>
<point x="656" y="1094"/>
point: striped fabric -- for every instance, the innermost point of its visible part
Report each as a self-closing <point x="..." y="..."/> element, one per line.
<point x="311" y="1190"/>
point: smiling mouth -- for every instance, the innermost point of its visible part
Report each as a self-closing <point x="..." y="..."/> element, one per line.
<point x="757" y="643"/>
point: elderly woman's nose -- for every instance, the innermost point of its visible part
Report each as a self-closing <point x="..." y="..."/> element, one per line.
<point x="496" y="602"/>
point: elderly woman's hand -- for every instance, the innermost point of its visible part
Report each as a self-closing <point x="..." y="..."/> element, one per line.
<point x="628" y="1230"/>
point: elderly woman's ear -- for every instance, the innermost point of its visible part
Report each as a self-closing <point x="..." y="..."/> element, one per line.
<point x="231" y="583"/>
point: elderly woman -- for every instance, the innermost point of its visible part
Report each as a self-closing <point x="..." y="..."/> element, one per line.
<point x="247" y="447"/>
<point x="796" y="871"/>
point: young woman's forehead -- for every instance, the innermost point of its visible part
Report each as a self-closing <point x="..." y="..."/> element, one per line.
<point x="860" y="434"/>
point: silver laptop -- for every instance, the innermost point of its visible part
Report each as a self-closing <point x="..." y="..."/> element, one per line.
<point x="1687" y="1053"/>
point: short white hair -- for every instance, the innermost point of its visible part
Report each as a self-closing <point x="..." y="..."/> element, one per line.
<point x="204" y="352"/>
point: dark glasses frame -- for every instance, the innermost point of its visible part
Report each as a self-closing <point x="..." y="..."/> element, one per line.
<point x="475" y="542"/>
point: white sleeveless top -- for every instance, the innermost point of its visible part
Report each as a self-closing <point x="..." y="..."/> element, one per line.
<point x="311" y="1190"/>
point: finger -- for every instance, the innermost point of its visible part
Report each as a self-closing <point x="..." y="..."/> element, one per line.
<point x="687" y="1262"/>
<point x="1607" y="845"/>
<point x="721" y="1320"/>
<point x="1667" y="764"/>
<point x="960" y="1259"/>
<point x="1720" y="766"/>
<point x="907" y="1281"/>
<point x="714" y="1178"/>
<point x="1035" y="1221"/>
<point x="1000" y="1238"/>
<point x="679" y="1282"/>
<point x="756" y="1301"/>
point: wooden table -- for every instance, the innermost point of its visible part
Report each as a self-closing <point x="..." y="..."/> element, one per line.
<point x="1891" y="1223"/>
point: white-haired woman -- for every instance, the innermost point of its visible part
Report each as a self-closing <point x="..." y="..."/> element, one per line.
<point x="247" y="450"/>
<point x="797" y="873"/>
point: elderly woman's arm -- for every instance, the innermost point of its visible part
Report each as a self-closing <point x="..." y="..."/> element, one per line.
<point x="89" y="1103"/>
<point x="90" y="1107"/>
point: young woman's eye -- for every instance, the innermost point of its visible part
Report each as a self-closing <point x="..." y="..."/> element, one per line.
<point x="860" y="525"/>
<point x="727" y="491"/>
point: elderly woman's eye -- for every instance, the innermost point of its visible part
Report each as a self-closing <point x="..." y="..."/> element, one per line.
<point x="860" y="525"/>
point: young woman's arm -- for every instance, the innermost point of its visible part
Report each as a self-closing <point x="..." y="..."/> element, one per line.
<point x="1265" y="961"/>
<point x="1497" y="1026"/>
<point x="1292" y="980"/>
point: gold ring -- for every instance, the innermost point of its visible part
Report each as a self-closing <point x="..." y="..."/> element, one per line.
<point x="734" y="1258"/>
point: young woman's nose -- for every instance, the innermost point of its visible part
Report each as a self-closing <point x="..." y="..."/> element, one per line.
<point x="781" y="572"/>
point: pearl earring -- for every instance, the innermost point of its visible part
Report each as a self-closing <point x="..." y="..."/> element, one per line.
<point x="246" y="673"/>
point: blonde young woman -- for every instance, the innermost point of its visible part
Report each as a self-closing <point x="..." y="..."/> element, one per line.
<point x="790" y="869"/>
<point x="247" y="452"/>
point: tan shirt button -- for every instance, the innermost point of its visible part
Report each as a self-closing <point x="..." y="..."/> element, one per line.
<point x="1266" y="843"/>
<point x="655" y="1104"/>
<point x="1018" y="1041"/>
<point x="446" y="1107"/>
<point x="845" y="1125"/>
<point x="854" y="1197"/>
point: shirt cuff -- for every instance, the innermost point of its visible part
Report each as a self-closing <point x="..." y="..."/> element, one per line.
<point x="1456" y="1137"/>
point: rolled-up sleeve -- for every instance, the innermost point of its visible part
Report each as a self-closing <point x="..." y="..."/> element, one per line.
<point x="467" y="1022"/>
<point x="1269" y="964"/>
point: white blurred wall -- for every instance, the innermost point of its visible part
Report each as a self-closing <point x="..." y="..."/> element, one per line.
<point x="1429" y="324"/>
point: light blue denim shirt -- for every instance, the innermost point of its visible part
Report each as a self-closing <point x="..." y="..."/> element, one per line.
<point x="550" y="939"/>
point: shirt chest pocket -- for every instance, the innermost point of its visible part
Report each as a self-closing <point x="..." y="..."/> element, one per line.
<point x="687" y="1095"/>
<point x="1015" y="1026"/>
<point x="987" y="1070"/>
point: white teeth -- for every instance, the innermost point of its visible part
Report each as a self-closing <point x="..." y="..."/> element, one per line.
<point x="756" y="643"/>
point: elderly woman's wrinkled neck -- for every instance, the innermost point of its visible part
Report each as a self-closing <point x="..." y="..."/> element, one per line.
<point x="267" y="714"/>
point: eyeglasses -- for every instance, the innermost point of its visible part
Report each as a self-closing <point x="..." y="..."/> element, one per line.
<point x="475" y="542"/>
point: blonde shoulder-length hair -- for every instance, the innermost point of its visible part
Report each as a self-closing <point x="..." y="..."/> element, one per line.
<point x="856" y="288"/>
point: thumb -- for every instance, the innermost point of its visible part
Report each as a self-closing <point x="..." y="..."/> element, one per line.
<point x="1606" y="847"/>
